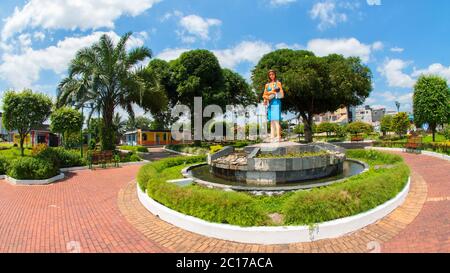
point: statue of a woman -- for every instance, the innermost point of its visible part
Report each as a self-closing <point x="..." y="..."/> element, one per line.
<point x="273" y="93"/>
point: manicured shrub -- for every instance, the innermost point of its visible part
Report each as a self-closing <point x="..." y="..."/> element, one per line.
<point x="131" y="156"/>
<point x="4" y="164"/>
<point x="61" y="157"/>
<point x="140" y="149"/>
<point x="208" y="204"/>
<point x="37" y="149"/>
<point x="375" y="157"/>
<point x="31" y="168"/>
<point x="215" y="148"/>
<point x="358" y="194"/>
<point x="190" y="149"/>
<point x="150" y="170"/>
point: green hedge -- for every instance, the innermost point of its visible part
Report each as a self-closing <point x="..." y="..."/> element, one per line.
<point x="208" y="204"/>
<point x="62" y="158"/>
<point x="4" y="165"/>
<point x="151" y="170"/>
<point x="356" y="195"/>
<point x="31" y="168"/>
<point x="138" y="148"/>
<point x="190" y="148"/>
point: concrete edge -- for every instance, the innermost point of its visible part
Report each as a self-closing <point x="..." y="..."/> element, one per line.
<point x="273" y="235"/>
<point x="34" y="182"/>
<point x="176" y="152"/>
<point x="424" y="152"/>
<point x="186" y="172"/>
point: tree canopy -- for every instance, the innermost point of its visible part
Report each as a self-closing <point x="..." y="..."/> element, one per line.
<point x="106" y="75"/>
<point x="315" y="85"/>
<point x="65" y="120"/>
<point x="24" y="111"/>
<point x="197" y="73"/>
<point x="431" y="102"/>
<point x="400" y="123"/>
<point x="386" y="124"/>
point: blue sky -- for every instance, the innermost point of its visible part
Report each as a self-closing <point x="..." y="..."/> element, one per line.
<point x="397" y="39"/>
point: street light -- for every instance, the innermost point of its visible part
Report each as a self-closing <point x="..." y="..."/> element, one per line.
<point x="91" y="106"/>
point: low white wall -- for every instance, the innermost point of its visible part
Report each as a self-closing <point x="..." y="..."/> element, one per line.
<point x="272" y="235"/>
<point x="34" y="182"/>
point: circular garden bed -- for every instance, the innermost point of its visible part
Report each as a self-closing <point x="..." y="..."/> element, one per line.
<point x="386" y="178"/>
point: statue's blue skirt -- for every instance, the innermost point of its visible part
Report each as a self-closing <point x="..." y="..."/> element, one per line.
<point x="274" y="111"/>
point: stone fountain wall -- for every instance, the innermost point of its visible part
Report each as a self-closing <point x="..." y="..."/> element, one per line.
<point x="247" y="167"/>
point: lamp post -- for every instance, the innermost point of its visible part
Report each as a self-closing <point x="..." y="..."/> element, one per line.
<point x="91" y="106"/>
<point x="81" y="130"/>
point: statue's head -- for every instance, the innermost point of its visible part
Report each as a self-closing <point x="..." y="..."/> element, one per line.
<point x="272" y="75"/>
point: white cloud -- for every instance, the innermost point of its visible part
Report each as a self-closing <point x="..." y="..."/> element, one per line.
<point x="292" y="46"/>
<point x="252" y="51"/>
<point x="23" y="69"/>
<point x="281" y="2"/>
<point x="169" y="54"/>
<point x="434" y="69"/>
<point x="243" y="52"/>
<point x="246" y="51"/>
<point x="194" y="26"/>
<point x="68" y="14"/>
<point x="374" y="2"/>
<point x="397" y="49"/>
<point x="377" y="46"/>
<point x="327" y="14"/>
<point x="393" y="71"/>
<point x="40" y="36"/>
<point x="346" y="47"/>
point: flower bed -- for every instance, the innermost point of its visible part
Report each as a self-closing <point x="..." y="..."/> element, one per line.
<point x="353" y="196"/>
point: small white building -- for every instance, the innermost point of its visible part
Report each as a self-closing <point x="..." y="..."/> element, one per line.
<point x="363" y="113"/>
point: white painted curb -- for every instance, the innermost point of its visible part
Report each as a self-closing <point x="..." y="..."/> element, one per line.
<point x="273" y="235"/>
<point x="34" y="182"/>
<point x="424" y="152"/>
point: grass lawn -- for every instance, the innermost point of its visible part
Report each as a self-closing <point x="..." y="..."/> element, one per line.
<point x="14" y="152"/>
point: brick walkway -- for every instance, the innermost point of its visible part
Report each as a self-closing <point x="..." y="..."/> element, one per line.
<point x="77" y="214"/>
<point x="421" y="224"/>
<point x="98" y="211"/>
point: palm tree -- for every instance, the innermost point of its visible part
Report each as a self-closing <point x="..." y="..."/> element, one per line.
<point x="107" y="76"/>
<point x="119" y="126"/>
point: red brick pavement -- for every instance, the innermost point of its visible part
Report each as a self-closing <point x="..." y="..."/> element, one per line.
<point x="97" y="211"/>
<point x="430" y="230"/>
<point x="79" y="213"/>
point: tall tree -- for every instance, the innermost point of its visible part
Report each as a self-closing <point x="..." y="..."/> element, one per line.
<point x="400" y="124"/>
<point x="106" y="75"/>
<point x="315" y="85"/>
<point x="386" y="124"/>
<point x="23" y="111"/>
<point x="139" y="122"/>
<point x="197" y="73"/>
<point x="65" y="120"/>
<point x="431" y="102"/>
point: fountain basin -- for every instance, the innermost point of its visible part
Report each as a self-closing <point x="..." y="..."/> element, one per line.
<point x="269" y="164"/>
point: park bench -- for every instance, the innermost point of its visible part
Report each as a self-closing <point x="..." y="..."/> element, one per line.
<point x="102" y="158"/>
<point x="414" y="144"/>
<point x="357" y="138"/>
